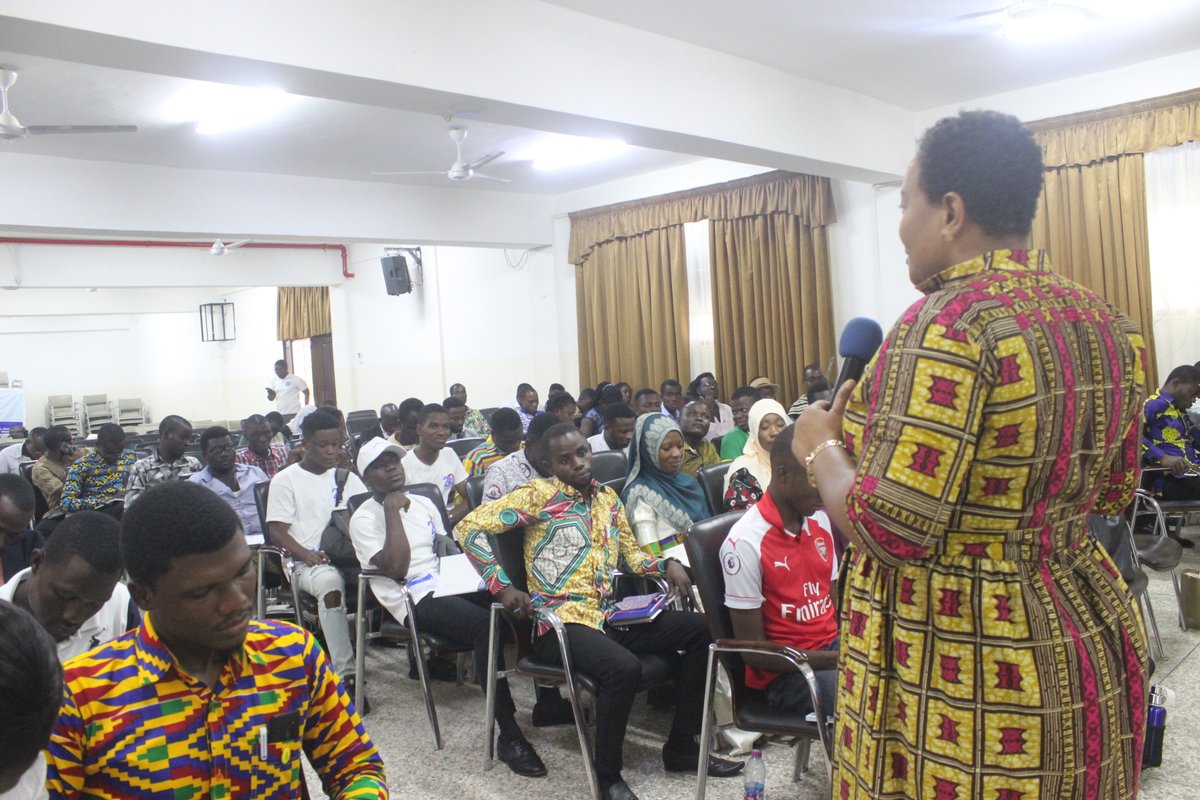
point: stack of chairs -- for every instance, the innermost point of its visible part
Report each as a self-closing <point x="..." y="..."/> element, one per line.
<point x="61" y="410"/>
<point x="96" y="411"/>
<point x="130" y="411"/>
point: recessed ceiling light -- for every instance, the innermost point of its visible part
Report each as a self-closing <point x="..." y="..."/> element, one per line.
<point x="559" y="151"/>
<point x="221" y="107"/>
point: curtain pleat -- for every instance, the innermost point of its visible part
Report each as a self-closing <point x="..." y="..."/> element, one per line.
<point x="772" y="298"/>
<point x="633" y="310"/>
<point x="303" y="312"/>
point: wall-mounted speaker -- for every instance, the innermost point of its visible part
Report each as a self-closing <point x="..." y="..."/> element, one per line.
<point x="395" y="274"/>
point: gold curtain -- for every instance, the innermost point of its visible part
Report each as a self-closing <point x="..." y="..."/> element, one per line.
<point x="1092" y="212"/>
<point x="773" y="303"/>
<point x="633" y="310"/>
<point x="631" y="285"/>
<point x="303" y="312"/>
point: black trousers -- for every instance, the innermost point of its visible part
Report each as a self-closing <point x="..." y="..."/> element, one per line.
<point x="465" y="618"/>
<point x="1181" y="488"/>
<point x="610" y="658"/>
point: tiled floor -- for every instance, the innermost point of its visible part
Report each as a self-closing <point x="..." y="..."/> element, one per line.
<point x="415" y="769"/>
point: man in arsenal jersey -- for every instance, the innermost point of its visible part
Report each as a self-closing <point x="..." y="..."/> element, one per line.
<point x="781" y="583"/>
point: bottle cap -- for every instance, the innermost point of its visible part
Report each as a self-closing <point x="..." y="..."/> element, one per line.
<point x="756" y="753"/>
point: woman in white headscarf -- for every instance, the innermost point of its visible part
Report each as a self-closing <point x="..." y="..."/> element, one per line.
<point x="750" y="473"/>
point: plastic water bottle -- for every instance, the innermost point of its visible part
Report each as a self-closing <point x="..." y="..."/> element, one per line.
<point x="756" y="776"/>
<point x="1156" y="723"/>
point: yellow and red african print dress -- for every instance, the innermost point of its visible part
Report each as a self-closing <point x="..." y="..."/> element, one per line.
<point x="988" y="647"/>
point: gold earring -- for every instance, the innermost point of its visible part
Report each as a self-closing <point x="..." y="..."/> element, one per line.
<point x="947" y="236"/>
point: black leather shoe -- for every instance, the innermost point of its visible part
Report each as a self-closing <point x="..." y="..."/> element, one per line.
<point x="618" y="790"/>
<point x="518" y="753"/>
<point x="553" y="712"/>
<point x="686" y="761"/>
<point x="1187" y="543"/>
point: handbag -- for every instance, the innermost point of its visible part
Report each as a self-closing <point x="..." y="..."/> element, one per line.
<point x="335" y="539"/>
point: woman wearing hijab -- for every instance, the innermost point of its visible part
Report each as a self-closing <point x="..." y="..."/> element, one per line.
<point x="660" y="500"/>
<point x="750" y="473"/>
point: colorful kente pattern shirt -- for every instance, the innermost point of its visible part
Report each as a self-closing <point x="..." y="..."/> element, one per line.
<point x="1167" y="430"/>
<point x="476" y="422"/>
<point x="93" y="482"/>
<point x="482" y="457"/>
<point x="572" y="547"/>
<point x="134" y="724"/>
<point x="989" y="647"/>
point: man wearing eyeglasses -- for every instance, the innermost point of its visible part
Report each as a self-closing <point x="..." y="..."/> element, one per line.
<point x="232" y="482"/>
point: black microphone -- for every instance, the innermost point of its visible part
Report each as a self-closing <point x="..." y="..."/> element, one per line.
<point x="860" y="339"/>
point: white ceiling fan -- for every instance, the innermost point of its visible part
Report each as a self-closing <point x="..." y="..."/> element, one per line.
<point x="1024" y="10"/>
<point x="460" y="170"/>
<point x="11" y="128"/>
<point x="219" y="248"/>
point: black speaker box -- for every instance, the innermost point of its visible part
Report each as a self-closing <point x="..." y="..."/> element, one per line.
<point x="395" y="274"/>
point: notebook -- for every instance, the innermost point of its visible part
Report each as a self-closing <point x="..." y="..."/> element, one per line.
<point x="638" y="609"/>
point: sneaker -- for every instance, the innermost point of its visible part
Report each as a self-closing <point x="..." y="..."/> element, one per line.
<point x="513" y="749"/>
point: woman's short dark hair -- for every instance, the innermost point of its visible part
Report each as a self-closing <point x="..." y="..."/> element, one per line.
<point x="173" y="519"/>
<point x="31" y="688"/>
<point x="990" y="160"/>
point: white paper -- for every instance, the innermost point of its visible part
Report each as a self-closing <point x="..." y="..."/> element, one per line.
<point x="457" y="576"/>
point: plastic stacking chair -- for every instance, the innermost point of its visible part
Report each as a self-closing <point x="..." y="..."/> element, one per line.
<point x="474" y="487"/>
<point x="750" y="709"/>
<point x="609" y="469"/>
<point x="1113" y="534"/>
<point x="462" y="447"/>
<point x="712" y="479"/>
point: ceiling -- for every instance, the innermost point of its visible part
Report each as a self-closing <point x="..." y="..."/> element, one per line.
<point x="915" y="54"/>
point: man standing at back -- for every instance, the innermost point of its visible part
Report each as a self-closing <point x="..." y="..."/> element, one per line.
<point x="168" y="462"/>
<point x="286" y="389"/>
<point x="299" y="504"/>
<point x="98" y="477"/>
<point x="72" y="586"/>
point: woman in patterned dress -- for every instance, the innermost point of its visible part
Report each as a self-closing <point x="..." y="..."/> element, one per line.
<point x="988" y="647"/>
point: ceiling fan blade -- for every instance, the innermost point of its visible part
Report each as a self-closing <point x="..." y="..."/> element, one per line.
<point x="40" y="129"/>
<point x="489" y="158"/>
<point x="237" y="244"/>
<point x="419" y="172"/>
<point x="489" y="177"/>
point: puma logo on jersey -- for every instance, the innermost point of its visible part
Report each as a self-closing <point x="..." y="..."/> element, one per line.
<point x="784" y="563"/>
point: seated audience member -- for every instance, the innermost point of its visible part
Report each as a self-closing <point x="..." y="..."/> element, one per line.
<point x="457" y="411"/>
<point x="671" y="392"/>
<point x="229" y="701"/>
<point x="432" y="462"/>
<point x="520" y="467"/>
<point x="819" y="391"/>
<point x="527" y="405"/>
<point x="391" y="532"/>
<point x="698" y="452"/>
<point x="811" y="376"/>
<point x="562" y="406"/>
<point x="793" y="606"/>
<point x="734" y="442"/>
<point x="280" y="432"/>
<point x="344" y="459"/>
<point x="261" y="452"/>
<point x="1170" y="440"/>
<point x="50" y="472"/>
<point x="72" y="586"/>
<point x="474" y="420"/>
<point x="582" y="598"/>
<point x="554" y="387"/>
<point x="168" y="462"/>
<point x="618" y="429"/>
<point x="505" y="438"/>
<point x="31" y="693"/>
<point x="660" y="500"/>
<point x="766" y="388"/>
<point x="98" y="477"/>
<point x="389" y="423"/>
<point x="586" y="399"/>
<point x="406" y="434"/>
<point x="231" y="481"/>
<point x="31" y="449"/>
<point x="750" y="473"/>
<point x="593" y="421"/>
<point x="626" y="393"/>
<point x="17" y="539"/>
<point x="705" y="387"/>
<point x="299" y="504"/>
<point x="647" y="401"/>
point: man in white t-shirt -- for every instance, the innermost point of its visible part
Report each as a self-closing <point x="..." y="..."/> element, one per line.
<point x="285" y="389"/>
<point x="618" y="429"/>
<point x="395" y="532"/>
<point x="299" y="504"/>
<point x="781" y="572"/>
<point x="72" y="586"/>
<point x="432" y="462"/>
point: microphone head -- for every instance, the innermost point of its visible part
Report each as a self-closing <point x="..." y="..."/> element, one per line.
<point x="860" y="339"/>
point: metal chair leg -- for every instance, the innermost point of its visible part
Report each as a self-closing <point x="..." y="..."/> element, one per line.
<point x="1178" y="599"/>
<point x="585" y="746"/>
<point x="422" y="670"/>
<point x="710" y="685"/>
<point x="1147" y="607"/>
<point x="360" y="646"/>
<point x="800" y="765"/>
<point x="489" y="714"/>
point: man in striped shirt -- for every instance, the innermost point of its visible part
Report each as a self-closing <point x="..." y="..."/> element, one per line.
<point x="202" y="700"/>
